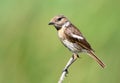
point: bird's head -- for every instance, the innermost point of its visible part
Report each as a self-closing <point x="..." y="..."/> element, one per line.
<point x="58" y="21"/>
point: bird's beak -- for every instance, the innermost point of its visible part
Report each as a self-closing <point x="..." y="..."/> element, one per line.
<point x="51" y="23"/>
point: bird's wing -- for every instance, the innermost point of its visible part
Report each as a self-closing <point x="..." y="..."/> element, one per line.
<point x="75" y="36"/>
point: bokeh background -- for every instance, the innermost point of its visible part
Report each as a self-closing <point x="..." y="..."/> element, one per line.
<point x="30" y="51"/>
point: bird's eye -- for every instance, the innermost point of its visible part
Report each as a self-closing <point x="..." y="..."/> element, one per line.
<point x="59" y="19"/>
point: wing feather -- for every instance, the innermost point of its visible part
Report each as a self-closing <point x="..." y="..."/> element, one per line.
<point x="75" y="36"/>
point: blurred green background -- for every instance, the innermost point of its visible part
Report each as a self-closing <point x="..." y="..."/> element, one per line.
<point x="30" y="51"/>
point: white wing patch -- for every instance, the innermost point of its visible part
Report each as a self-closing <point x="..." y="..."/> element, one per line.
<point x="76" y="36"/>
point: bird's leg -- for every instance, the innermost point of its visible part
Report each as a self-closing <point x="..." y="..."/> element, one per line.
<point x="69" y="63"/>
<point x="65" y="71"/>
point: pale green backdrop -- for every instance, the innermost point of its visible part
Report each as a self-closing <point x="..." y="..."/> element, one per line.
<point x="30" y="51"/>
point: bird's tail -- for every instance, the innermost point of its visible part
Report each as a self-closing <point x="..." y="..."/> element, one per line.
<point x="91" y="53"/>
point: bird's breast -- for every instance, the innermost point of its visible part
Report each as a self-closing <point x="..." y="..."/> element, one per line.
<point x="61" y="34"/>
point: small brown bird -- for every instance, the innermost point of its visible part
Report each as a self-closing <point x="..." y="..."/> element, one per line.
<point x="73" y="39"/>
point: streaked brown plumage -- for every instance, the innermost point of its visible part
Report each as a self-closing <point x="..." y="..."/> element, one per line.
<point x="72" y="38"/>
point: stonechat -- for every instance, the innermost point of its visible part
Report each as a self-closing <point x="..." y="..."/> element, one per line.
<point x="72" y="38"/>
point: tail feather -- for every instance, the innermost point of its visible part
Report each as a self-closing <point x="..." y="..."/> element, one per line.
<point x="91" y="53"/>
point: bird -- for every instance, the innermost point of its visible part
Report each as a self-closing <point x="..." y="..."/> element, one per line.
<point x="72" y="38"/>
